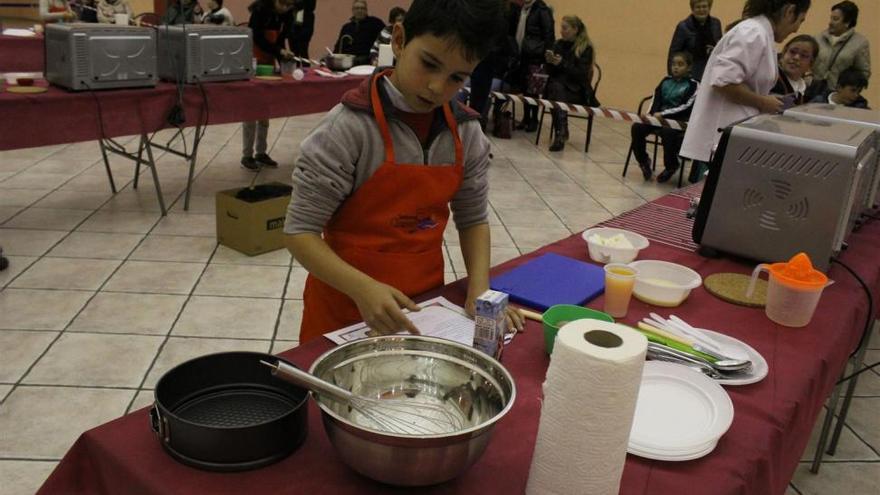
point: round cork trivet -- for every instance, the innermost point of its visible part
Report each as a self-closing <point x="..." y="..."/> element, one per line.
<point x="26" y="89"/>
<point x="731" y="287"/>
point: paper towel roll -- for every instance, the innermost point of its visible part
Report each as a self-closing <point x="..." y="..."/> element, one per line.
<point x="590" y="397"/>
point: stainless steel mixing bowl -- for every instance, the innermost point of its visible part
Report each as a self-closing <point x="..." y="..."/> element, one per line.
<point x="421" y="370"/>
<point x="339" y="61"/>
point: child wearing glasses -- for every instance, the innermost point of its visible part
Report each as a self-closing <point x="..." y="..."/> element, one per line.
<point x="796" y="60"/>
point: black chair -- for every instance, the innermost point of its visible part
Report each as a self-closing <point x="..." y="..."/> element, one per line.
<point x="653" y="139"/>
<point x="595" y="77"/>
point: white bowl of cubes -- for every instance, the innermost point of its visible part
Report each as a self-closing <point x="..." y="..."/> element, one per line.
<point x="609" y="245"/>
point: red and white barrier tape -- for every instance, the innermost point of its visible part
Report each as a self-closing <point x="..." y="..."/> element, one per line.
<point x="596" y="111"/>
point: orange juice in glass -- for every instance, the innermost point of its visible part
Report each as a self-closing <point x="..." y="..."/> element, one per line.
<point x="619" y="282"/>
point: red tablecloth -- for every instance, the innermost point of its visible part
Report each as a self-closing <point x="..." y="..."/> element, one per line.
<point x="60" y="116"/>
<point x="758" y="455"/>
<point x="20" y="54"/>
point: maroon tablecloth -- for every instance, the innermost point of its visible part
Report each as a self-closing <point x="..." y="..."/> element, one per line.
<point x="59" y="116"/>
<point x="758" y="455"/>
<point x="20" y="54"/>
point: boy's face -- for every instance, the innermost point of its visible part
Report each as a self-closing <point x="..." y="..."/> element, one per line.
<point x="797" y="59"/>
<point x="212" y="4"/>
<point x="701" y="10"/>
<point x="679" y="67"/>
<point x="847" y="95"/>
<point x="429" y="71"/>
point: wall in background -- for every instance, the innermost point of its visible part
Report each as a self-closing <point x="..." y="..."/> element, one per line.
<point x="631" y="36"/>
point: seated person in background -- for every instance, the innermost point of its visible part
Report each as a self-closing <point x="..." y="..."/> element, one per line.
<point x="182" y="12"/>
<point x="568" y="69"/>
<point x="796" y="60"/>
<point x="357" y="36"/>
<point x="850" y="84"/>
<point x="86" y="10"/>
<point x="674" y="100"/>
<point x="394" y="16"/>
<point x="56" y="10"/>
<point x="107" y="10"/>
<point x="217" y="14"/>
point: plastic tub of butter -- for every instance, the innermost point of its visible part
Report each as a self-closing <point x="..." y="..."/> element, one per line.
<point x="665" y="284"/>
<point x="609" y="245"/>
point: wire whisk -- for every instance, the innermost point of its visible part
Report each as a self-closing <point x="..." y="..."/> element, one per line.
<point x="420" y="415"/>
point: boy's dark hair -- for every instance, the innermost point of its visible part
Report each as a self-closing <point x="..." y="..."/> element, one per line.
<point x="849" y="10"/>
<point x="219" y="3"/>
<point x="852" y="77"/>
<point x="394" y="13"/>
<point x="804" y="38"/>
<point x="686" y="56"/>
<point x="473" y="25"/>
<point x="773" y="8"/>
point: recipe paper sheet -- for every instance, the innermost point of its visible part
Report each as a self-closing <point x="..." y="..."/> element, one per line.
<point x="438" y="318"/>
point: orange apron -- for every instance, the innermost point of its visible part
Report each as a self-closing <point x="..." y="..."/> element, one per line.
<point x="262" y="57"/>
<point x="391" y="228"/>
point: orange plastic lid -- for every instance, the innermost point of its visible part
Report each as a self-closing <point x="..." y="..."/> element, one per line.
<point x="799" y="272"/>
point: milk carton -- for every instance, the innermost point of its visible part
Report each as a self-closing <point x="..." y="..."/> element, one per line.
<point x="490" y="323"/>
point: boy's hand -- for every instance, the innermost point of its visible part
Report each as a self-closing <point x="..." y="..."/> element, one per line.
<point x="379" y="305"/>
<point x="286" y="54"/>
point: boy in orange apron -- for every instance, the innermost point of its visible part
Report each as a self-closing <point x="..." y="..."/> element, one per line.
<point x="375" y="181"/>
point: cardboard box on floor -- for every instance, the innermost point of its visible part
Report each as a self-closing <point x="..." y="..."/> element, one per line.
<point x="251" y="227"/>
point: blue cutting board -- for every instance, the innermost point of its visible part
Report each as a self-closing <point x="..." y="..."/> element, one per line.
<point x="551" y="279"/>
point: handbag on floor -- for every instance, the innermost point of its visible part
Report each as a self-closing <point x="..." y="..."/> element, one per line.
<point x="536" y="80"/>
<point x="503" y="121"/>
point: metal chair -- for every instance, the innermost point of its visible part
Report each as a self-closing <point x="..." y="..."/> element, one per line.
<point x="595" y="77"/>
<point x="654" y="139"/>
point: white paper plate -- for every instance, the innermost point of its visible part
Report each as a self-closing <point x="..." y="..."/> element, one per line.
<point x="361" y="70"/>
<point x="679" y="410"/>
<point x="663" y="456"/>
<point x="759" y="364"/>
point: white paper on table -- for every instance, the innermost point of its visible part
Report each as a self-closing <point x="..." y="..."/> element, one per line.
<point x="24" y="33"/>
<point x="438" y="318"/>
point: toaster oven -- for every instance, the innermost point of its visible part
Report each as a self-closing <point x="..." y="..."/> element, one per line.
<point x="855" y="116"/>
<point x="780" y="184"/>
<point x="100" y="56"/>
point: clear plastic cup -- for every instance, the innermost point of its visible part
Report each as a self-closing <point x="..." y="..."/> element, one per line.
<point x="619" y="282"/>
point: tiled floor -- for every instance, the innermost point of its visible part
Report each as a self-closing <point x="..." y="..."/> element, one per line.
<point x="103" y="295"/>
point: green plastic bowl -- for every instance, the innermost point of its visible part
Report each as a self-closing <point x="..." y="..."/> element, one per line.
<point x="563" y="313"/>
<point x="265" y="70"/>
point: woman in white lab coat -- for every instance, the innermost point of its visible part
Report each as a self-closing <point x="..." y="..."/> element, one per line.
<point x="741" y="72"/>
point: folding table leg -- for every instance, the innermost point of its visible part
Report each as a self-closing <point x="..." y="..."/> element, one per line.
<point x="192" y="165"/>
<point x="137" y="164"/>
<point x="152" y="164"/>
<point x="107" y="165"/>
<point x="826" y="427"/>
<point x="589" y="134"/>
<point x="858" y="362"/>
